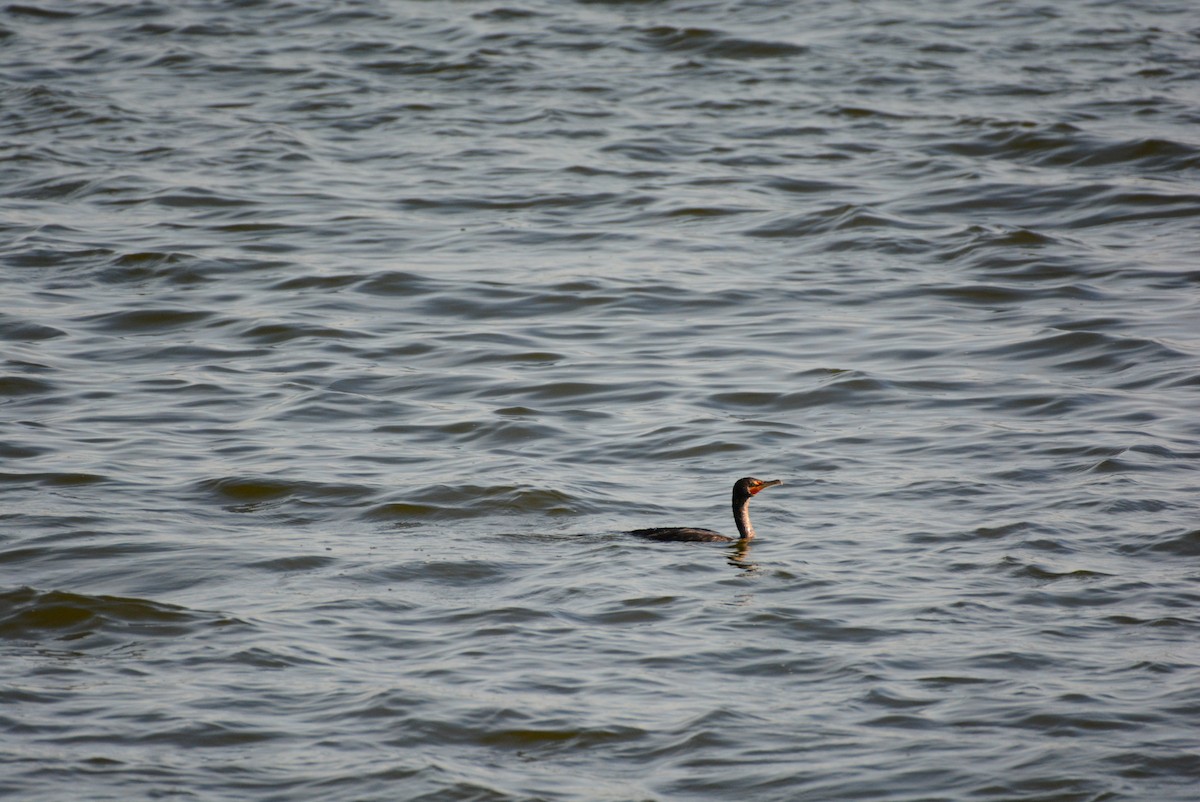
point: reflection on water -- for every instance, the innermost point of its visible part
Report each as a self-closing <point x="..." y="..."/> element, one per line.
<point x="739" y="557"/>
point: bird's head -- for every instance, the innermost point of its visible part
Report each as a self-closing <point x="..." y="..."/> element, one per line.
<point x="750" y="486"/>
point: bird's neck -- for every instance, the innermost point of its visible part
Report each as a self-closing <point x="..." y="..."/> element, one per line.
<point x="741" y="516"/>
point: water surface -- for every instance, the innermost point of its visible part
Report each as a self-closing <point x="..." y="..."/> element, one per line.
<point x="341" y="345"/>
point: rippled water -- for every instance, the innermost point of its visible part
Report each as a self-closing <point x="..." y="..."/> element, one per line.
<point x="342" y="342"/>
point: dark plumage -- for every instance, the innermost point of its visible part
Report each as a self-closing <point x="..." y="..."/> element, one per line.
<point x="743" y="491"/>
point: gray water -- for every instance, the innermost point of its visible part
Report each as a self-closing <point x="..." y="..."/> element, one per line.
<point x="342" y="343"/>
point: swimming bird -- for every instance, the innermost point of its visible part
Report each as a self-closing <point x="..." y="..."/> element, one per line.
<point x="743" y="490"/>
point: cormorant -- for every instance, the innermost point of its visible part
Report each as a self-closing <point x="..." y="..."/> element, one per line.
<point x="743" y="489"/>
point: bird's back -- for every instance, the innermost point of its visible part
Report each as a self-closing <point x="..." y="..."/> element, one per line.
<point x="681" y="534"/>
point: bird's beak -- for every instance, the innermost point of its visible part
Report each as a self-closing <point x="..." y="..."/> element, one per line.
<point x="765" y="485"/>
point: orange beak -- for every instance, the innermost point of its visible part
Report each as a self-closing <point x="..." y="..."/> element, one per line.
<point x="755" y="488"/>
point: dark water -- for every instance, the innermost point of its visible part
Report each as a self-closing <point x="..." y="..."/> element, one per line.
<point x="342" y="341"/>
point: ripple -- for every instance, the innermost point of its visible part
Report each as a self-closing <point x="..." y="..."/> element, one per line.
<point x="55" y="478"/>
<point x="87" y="621"/>
<point x="16" y="330"/>
<point x="1085" y="350"/>
<point x="1184" y="544"/>
<point x="848" y="218"/>
<point x="15" y="386"/>
<point x="451" y="502"/>
<point x="715" y="44"/>
<point x="249" y="493"/>
<point x="851" y="388"/>
<point x="148" y="320"/>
